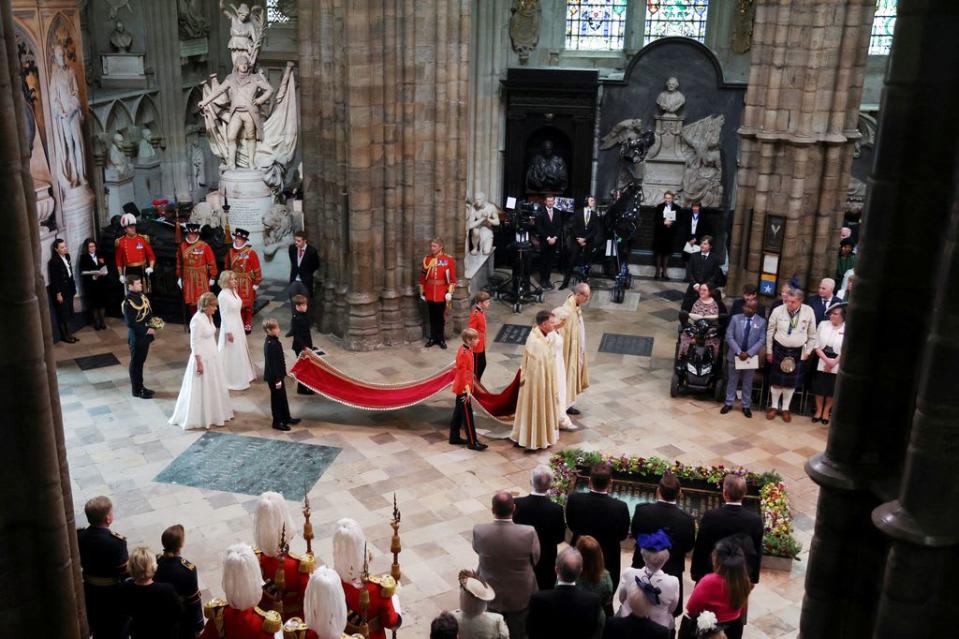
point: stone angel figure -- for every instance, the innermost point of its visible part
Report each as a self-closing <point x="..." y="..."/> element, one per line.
<point x="702" y="177"/>
<point x="246" y="30"/>
<point x="634" y="143"/>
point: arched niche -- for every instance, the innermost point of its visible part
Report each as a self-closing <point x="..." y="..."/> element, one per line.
<point x="147" y="115"/>
<point x="118" y="118"/>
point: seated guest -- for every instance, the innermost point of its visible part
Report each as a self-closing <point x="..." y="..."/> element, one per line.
<point x="154" y="608"/>
<point x="724" y="591"/>
<point x="546" y="516"/>
<point x="273" y="527"/>
<point x="829" y="337"/>
<point x="444" y="627"/>
<point x="565" y="611"/>
<point x="181" y="574"/>
<point x="729" y="519"/>
<point x="239" y="617"/>
<point x="637" y="624"/>
<point x="750" y="292"/>
<point x="595" y="577"/>
<point x="705" y="307"/>
<point x="473" y="620"/>
<point x="662" y="590"/>
<point x="597" y="514"/>
<point x="349" y="558"/>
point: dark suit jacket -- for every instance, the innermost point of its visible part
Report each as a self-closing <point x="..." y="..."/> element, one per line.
<point x="549" y="228"/>
<point x="634" y="628"/>
<point x="547" y="518"/>
<point x="704" y="270"/>
<point x="723" y="522"/>
<point x="309" y="265"/>
<point x="603" y="517"/>
<point x="678" y="524"/>
<point x="738" y="307"/>
<point x="703" y="227"/>
<point x="564" y="611"/>
<point x="274" y="364"/>
<point x="817" y="307"/>
<point x="59" y="279"/>
<point x="300" y="332"/>
<point x="581" y="229"/>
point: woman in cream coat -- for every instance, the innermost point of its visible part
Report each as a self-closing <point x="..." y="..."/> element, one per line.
<point x="232" y="345"/>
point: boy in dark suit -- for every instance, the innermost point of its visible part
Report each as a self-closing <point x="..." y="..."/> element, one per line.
<point x="300" y="332"/>
<point x="274" y="374"/>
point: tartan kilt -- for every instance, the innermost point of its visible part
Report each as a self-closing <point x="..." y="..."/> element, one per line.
<point x="779" y="378"/>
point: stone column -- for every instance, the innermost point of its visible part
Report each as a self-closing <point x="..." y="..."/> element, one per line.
<point x="385" y="157"/>
<point x="876" y="389"/>
<point x="799" y="127"/>
<point x="39" y="567"/>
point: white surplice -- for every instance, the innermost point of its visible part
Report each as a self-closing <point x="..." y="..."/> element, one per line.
<point x="204" y="400"/>
<point x="236" y="354"/>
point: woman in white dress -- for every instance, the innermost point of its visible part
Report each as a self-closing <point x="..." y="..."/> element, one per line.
<point x="204" y="400"/>
<point x="233" y="348"/>
<point x="556" y="343"/>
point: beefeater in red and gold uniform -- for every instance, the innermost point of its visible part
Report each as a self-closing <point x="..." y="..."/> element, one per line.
<point x="133" y="253"/>
<point x="349" y="561"/>
<point x="238" y="617"/>
<point x="195" y="267"/>
<point x="245" y="264"/>
<point x="437" y="281"/>
<point x="272" y="528"/>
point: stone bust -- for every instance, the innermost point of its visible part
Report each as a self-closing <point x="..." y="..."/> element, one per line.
<point x="547" y="171"/>
<point x="670" y="100"/>
<point x="145" y="150"/>
<point x="117" y="157"/>
<point x="120" y="39"/>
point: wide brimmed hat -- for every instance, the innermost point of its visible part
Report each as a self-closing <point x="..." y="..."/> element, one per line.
<point x="474" y="585"/>
<point x="833" y="307"/>
<point x="241" y="233"/>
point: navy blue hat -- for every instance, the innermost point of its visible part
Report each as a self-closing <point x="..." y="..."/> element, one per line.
<point x="655" y="542"/>
<point x="241" y="233"/>
<point x="794" y="281"/>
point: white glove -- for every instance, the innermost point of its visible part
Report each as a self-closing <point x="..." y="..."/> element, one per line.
<point x="422" y="297"/>
<point x="256" y="287"/>
<point x="123" y="279"/>
<point x="212" y="281"/>
<point x="179" y="282"/>
<point x="449" y="297"/>
<point x="396" y="604"/>
<point x="149" y="270"/>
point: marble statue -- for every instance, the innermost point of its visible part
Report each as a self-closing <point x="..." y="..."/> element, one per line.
<point x="634" y="142"/>
<point x="702" y="177"/>
<point x="197" y="166"/>
<point x="481" y="219"/>
<point x="547" y="171"/>
<point x="671" y="100"/>
<point x="117" y="158"/>
<point x="524" y="28"/>
<point x="120" y="39"/>
<point x="246" y="31"/>
<point x="193" y="24"/>
<point x="145" y="150"/>
<point x="67" y="113"/>
<point x="277" y="229"/>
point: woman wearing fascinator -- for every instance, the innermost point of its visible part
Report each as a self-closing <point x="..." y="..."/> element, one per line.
<point x="661" y="590"/>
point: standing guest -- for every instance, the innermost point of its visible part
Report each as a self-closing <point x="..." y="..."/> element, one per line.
<point x="585" y="234"/>
<point x="790" y="338"/>
<point x="472" y="618"/>
<point x="727" y="520"/>
<point x="274" y="374"/>
<point x="694" y="229"/>
<point x="154" y="607"/>
<point x="703" y="268"/>
<point x="477" y="322"/>
<point x="204" y="400"/>
<point x="665" y="591"/>
<point x="62" y="286"/>
<point x="824" y="298"/>
<point x="725" y="590"/>
<point x="272" y="528"/>
<point x="749" y="293"/>
<point x="93" y="270"/>
<point x="300" y="332"/>
<point x="829" y="337"/>
<point x="103" y="558"/>
<point x="232" y="345"/>
<point x="349" y="560"/>
<point x="507" y="554"/>
<point x="139" y="319"/>
<point x="324" y="607"/>
<point x="245" y="264"/>
<point x="195" y="267"/>
<point x="664" y="514"/>
<point x="637" y="623"/>
<point x="462" y="385"/>
<point x="847" y="285"/>
<point x="546" y="516"/>
<point x="437" y="281"/>
<point x="793" y="283"/>
<point x="239" y="616"/>
<point x="537" y="405"/>
<point x="549" y="227"/>
<point x="595" y="577"/>
<point x="664" y="228"/>
<point x="304" y="262"/>
<point x="134" y="255"/>
<point x="444" y="626"/>
<point x="847" y="259"/>
<point x="745" y="337"/>
<point x="181" y="574"/>
<point x="573" y="331"/>
<point x="597" y="514"/>
<point x="565" y="611"/>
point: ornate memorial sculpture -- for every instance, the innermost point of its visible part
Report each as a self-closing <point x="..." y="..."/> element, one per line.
<point x="547" y="172"/>
<point x="634" y="143"/>
<point x="481" y="219"/>
<point x="702" y="179"/>
<point x="67" y="122"/>
<point x="277" y="229"/>
<point x="671" y="100"/>
<point x="246" y="31"/>
<point x="524" y="28"/>
<point x="145" y="150"/>
<point x="120" y="38"/>
<point x="193" y="23"/>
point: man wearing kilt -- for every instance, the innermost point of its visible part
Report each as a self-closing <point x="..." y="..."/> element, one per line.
<point x="790" y="338"/>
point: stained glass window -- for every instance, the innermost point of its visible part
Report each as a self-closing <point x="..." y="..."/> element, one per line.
<point x="883" y="24"/>
<point x="675" y="18"/>
<point x="275" y="13"/>
<point x="594" y="25"/>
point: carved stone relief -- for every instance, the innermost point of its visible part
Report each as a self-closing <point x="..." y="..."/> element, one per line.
<point x="524" y="28"/>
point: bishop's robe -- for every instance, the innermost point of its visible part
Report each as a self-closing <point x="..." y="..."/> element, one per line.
<point x="574" y="348"/>
<point x="537" y="406"/>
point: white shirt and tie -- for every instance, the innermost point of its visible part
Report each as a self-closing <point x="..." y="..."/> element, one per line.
<point x="299" y="260"/>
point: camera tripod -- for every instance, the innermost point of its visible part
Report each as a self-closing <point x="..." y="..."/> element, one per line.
<point x="518" y="289"/>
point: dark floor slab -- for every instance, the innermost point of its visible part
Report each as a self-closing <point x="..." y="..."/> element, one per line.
<point x="668" y="314"/>
<point x="249" y="465"/>
<point x="100" y="360"/>
<point x="626" y="344"/>
<point x="671" y="294"/>
<point x="513" y="334"/>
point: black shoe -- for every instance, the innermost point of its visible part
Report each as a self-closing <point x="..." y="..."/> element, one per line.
<point x="459" y="441"/>
<point x="725" y="409"/>
<point x="747" y="413"/>
<point x="430" y="343"/>
<point x="293" y="420"/>
<point x="565" y="284"/>
<point x="284" y="427"/>
<point x="443" y="345"/>
<point x="572" y="410"/>
<point x="146" y="393"/>
<point x="304" y="391"/>
<point x="478" y="446"/>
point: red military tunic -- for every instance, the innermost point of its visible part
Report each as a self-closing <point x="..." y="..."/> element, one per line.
<point x="438" y="277"/>
<point x="225" y="622"/>
<point x="245" y="264"/>
<point x="380" y="614"/>
<point x="196" y="265"/>
<point x="296" y="575"/>
<point x="464" y="371"/>
<point x="134" y="251"/>
<point x="478" y="323"/>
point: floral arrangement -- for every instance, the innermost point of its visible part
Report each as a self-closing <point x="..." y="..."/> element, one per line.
<point x="778" y="540"/>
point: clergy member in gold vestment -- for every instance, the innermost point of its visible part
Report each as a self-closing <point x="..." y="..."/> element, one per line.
<point x="573" y="330"/>
<point x="537" y="406"/>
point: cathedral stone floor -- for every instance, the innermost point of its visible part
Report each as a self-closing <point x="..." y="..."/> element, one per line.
<point x="119" y="445"/>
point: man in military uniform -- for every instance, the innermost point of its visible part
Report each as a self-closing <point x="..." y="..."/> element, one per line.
<point x="349" y="561"/>
<point x="134" y="255"/>
<point x="195" y="267"/>
<point x="103" y="557"/>
<point x="139" y="317"/>
<point x="181" y="574"/>
<point x="238" y="617"/>
<point x="286" y="574"/>
<point x="437" y="281"/>
<point x="245" y="264"/>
